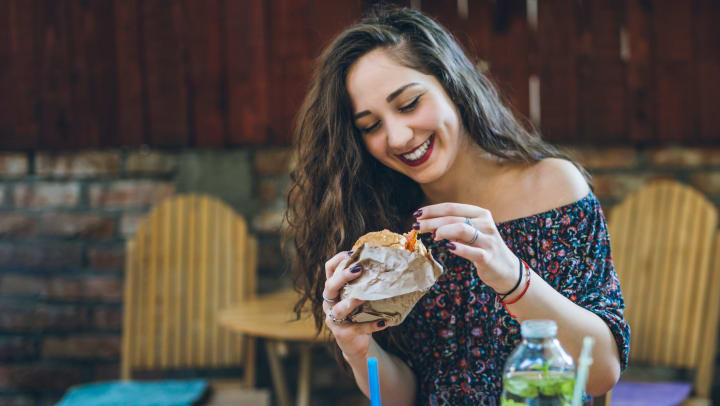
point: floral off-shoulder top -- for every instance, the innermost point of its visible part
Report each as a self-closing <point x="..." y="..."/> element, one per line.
<point x="458" y="337"/>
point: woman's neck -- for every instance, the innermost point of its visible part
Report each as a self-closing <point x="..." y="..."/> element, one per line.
<point x="473" y="178"/>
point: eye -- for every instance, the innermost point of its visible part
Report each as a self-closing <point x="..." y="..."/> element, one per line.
<point x="370" y="129"/>
<point x="410" y="106"/>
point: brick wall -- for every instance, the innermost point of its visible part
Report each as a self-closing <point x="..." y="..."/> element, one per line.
<point x="64" y="218"/>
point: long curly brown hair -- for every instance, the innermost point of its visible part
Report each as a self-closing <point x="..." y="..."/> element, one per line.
<point x="338" y="190"/>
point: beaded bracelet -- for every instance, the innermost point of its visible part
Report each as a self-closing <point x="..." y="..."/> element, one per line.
<point x="520" y="269"/>
<point x="517" y="299"/>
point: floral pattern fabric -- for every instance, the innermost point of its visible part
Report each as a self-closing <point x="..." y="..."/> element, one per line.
<point x="459" y="336"/>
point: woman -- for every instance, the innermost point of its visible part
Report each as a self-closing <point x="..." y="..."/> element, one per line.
<point x="399" y="130"/>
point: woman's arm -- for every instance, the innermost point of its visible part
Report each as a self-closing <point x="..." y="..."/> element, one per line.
<point x="397" y="381"/>
<point x="398" y="384"/>
<point x="542" y="301"/>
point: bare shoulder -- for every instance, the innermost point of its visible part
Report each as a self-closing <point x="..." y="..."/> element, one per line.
<point x="558" y="182"/>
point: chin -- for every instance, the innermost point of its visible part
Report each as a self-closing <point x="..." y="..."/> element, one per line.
<point x="425" y="177"/>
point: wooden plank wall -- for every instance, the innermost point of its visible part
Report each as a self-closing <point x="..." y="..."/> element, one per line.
<point x="215" y="73"/>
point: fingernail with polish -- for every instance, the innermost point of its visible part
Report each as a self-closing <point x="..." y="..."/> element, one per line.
<point x="418" y="213"/>
<point x="356" y="268"/>
<point x="433" y="236"/>
<point x="350" y="253"/>
<point x="416" y="226"/>
<point x="450" y="246"/>
<point x="381" y="323"/>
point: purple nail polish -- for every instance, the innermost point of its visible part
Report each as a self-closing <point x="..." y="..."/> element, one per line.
<point x="450" y="246"/>
<point x="418" y="213"/>
<point x="381" y="323"/>
<point x="433" y="236"/>
<point x="350" y="253"/>
<point x="356" y="268"/>
<point x="416" y="226"/>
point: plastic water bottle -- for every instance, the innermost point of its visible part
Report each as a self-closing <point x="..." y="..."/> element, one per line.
<point x="539" y="371"/>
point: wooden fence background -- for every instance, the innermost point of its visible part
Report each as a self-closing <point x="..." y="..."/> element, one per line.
<point x="214" y="73"/>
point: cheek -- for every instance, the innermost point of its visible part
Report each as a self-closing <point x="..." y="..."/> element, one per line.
<point x="375" y="146"/>
<point x="435" y="115"/>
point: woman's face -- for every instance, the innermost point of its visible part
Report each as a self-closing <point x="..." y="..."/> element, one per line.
<point x="407" y="120"/>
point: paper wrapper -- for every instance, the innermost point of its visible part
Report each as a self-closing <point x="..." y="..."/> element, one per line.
<point x="392" y="281"/>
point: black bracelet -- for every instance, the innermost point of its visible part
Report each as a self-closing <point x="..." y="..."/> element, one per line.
<point x="504" y="295"/>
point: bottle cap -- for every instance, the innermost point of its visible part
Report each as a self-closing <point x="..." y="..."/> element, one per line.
<point x="538" y="329"/>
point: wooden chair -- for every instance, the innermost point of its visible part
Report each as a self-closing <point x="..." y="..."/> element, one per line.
<point x="191" y="257"/>
<point x="664" y="241"/>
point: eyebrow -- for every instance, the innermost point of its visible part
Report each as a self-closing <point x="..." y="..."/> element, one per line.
<point x="390" y="98"/>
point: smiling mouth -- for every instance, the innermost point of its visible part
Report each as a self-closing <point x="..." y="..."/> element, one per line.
<point x="420" y="154"/>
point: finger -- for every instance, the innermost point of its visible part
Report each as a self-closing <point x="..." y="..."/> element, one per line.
<point x="369" y="327"/>
<point x="345" y="307"/>
<point x="345" y="331"/>
<point x="463" y="233"/>
<point x="335" y="316"/>
<point x="335" y="283"/>
<point x="432" y="224"/>
<point x="473" y="254"/>
<point x="451" y="209"/>
<point x="333" y="262"/>
<point x="329" y="316"/>
<point x="484" y="224"/>
<point x="332" y="324"/>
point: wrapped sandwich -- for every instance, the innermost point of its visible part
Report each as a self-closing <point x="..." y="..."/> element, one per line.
<point x="397" y="271"/>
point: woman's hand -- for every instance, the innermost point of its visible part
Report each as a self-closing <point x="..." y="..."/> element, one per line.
<point x="352" y="338"/>
<point x="472" y="234"/>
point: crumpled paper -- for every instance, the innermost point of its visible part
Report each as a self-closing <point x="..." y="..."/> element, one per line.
<point x="392" y="281"/>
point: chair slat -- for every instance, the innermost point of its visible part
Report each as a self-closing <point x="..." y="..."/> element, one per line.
<point x="153" y="270"/>
<point x="676" y="252"/>
<point x="656" y="282"/>
<point x="202" y="278"/>
<point x="215" y="297"/>
<point x="663" y="276"/>
<point x="178" y="235"/>
<point x="697" y="311"/>
<point x="249" y="345"/>
<point x="620" y="234"/>
<point x="128" y="310"/>
<point x="246" y="250"/>
<point x="165" y="316"/>
<point x="703" y="378"/>
<point x="638" y="254"/>
<point x="192" y="281"/>
<point x="251" y="255"/>
<point x="227" y="277"/>
<point x="687" y="267"/>
<point x="232" y="256"/>
<point x="139" y="341"/>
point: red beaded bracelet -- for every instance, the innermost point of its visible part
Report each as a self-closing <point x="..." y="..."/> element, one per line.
<point x="517" y="299"/>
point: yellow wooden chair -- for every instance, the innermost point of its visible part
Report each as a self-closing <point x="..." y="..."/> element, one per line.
<point x="191" y="257"/>
<point x="665" y="247"/>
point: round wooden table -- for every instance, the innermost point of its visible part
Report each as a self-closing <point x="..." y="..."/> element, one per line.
<point x="271" y="317"/>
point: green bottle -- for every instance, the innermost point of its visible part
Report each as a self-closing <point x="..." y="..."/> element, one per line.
<point x="539" y="372"/>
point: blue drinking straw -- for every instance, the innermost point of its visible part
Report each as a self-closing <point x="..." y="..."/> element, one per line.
<point x="374" y="381"/>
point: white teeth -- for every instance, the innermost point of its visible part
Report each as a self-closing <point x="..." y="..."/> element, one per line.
<point x="413" y="156"/>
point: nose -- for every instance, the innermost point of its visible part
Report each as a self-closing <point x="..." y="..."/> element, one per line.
<point x="399" y="136"/>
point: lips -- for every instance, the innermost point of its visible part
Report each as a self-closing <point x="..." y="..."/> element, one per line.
<point x="424" y="157"/>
